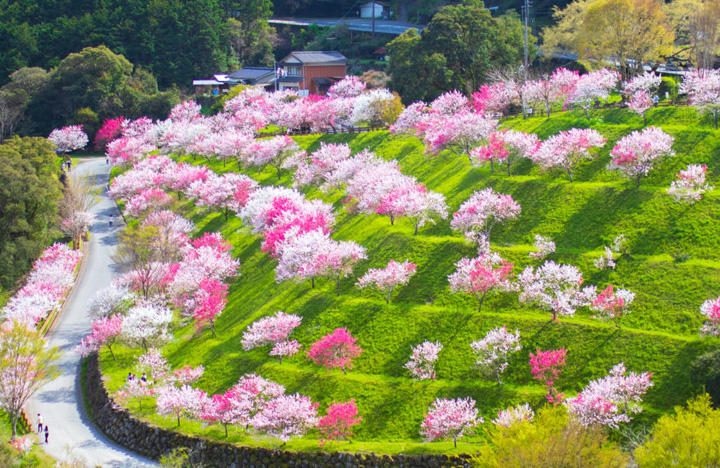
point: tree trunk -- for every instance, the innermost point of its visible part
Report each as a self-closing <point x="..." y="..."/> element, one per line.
<point x="178" y="416"/>
<point x="144" y="343"/>
<point x="492" y="166"/>
<point x="312" y="282"/>
<point x="569" y="171"/>
<point x="455" y="441"/>
<point x="109" y="347"/>
<point x="416" y="229"/>
<point x="226" y="211"/>
<point x="337" y="287"/>
<point x="637" y="179"/>
<point x="212" y="330"/>
<point x="497" y="375"/>
<point x="587" y="113"/>
<point x="508" y="166"/>
<point x="13" y="418"/>
<point x="226" y="431"/>
<point x="392" y="220"/>
<point x="482" y="298"/>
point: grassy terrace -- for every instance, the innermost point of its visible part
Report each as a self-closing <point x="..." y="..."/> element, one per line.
<point x="673" y="266"/>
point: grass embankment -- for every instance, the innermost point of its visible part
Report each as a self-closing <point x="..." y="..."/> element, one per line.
<point x="674" y="265"/>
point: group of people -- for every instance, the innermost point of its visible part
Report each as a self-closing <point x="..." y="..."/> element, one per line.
<point x="42" y="428"/>
<point x="131" y="376"/>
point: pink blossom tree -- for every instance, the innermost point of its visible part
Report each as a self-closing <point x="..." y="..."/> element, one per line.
<point x="105" y="332"/>
<point x="222" y="409"/>
<point x="690" y="184"/>
<point x="450" y="419"/>
<point x="146" y="323"/>
<point x="422" y="360"/>
<point x="69" y="138"/>
<point x="227" y="192"/>
<point x="638" y="91"/>
<point x="350" y="86"/>
<point x="554" y="287"/>
<point x="493" y="351"/>
<point x="273" y="152"/>
<point x="110" y="130"/>
<point x="568" y="148"/>
<point x="611" y="303"/>
<point x="546" y="367"/>
<point x="286" y="416"/>
<point x="388" y="278"/>
<point x="311" y="169"/>
<point x="505" y="146"/>
<point x="711" y="310"/>
<point x="480" y="275"/>
<point x="492" y="99"/>
<point x="337" y="349"/>
<point x="250" y="395"/>
<point x="636" y="153"/>
<point x="514" y="415"/>
<point x="478" y="214"/>
<point x="409" y="118"/>
<point x="336" y="259"/>
<point x="415" y="201"/>
<point x="611" y="400"/>
<point x="180" y="401"/>
<point x="285" y="348"/>
<point x="640" y="102"/>
<point x="458" y="133"/>
<point x="703" y="87"/>
<point x="210" y="300"/>
<point x="338" y="421"/>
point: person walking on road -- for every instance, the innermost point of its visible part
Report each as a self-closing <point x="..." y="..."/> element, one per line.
<point x="40" y="423"/>
<point x="46" y="434"/>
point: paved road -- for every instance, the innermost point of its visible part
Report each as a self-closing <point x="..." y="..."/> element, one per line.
<point x="72" y="434"/>
<point x="355" y="24"/>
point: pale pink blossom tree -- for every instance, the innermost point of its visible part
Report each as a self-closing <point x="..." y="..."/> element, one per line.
<point x="568" y="148"/>
<point x="227" y="192"/>
<point x="273" y="151"/>
<point x="554" y="287"/>
<point x="493" y="351"/>
<point x="703" y="87"/>
<point x="544" y="246"/>
<point x="180" y="401"/>
<point x="409" y="118"/>
<point x="478" y="214"/>
<point x="593" y="86"/>
<point x="69" y="138"/>
<point x="711" y="310"/>
<point x="388" y="278"/>
<point x="286" y="416"/>
<point x="480" y="275"/>
<point x="338" y="421"/>
<point x="285" y="348"/>
<point x="222" y="409"/>
<point x="546" y="367"/>
<point x="146" y="323"/>
<point x="350" y="86"/>
<point x="250" y="395"/>
<point x="450" y="103"/>
<point x="450" y="419"/>
<point x="415" y="201"/>
<point x="458" y="133"/>
<point x="514" y="415"/>
<point x="337" y="349"/>
<point x="270" y="330"/>
<point x="639" y="89"/>
<point x="690" y="184"/>
<point x="422" y="360"/>
<point x="636" y="153"/>
<point x="311" y="169"/>
<point x="640" y="102"/>
<point x="611" y="400"/>
<point x="611" y="303"/>
<point x="505" y="146"/>
<point x="336" y="259"/>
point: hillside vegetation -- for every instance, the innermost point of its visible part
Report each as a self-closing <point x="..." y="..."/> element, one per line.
<point x="673" y="265"/>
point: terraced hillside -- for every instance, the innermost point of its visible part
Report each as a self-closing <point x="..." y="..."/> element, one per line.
<point x="673" y="265"/>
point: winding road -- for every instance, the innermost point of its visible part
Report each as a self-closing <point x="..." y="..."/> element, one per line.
<point x="73" y="437"/>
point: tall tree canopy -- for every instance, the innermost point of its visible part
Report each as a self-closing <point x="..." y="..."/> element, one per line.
<point x="176" y="40"/>
<point x="29" y="197"/>
<point x="456" y="50"/>
<point x="625" y="33"/>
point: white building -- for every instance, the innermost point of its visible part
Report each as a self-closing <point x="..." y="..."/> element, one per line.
<point x="366" y="10"/>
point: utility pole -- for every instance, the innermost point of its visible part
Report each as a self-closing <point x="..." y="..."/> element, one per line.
<point x="526" y="15"/>
<point x="373" y="17"/>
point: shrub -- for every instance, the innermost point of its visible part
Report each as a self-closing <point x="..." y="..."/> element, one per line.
<point x="552" y="439"/>
<point x="705" y="370"/>
<point x="688" y="438"/>
<point x="669" y="86"/>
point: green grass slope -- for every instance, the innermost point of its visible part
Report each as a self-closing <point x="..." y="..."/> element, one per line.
<point x="674" y="265"/>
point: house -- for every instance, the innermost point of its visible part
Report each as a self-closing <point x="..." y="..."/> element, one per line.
<point x="221" y="83"/>
<point x="254" y="76"/>
<point x="372" y="8"/>
<point x="311" y="72"/>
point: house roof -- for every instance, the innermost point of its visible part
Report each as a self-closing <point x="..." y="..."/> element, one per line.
<point x="251" y="73"/>
<point x="315" y="57"/>
<point x="290" y="79"/>
<point x="206" y="83"/>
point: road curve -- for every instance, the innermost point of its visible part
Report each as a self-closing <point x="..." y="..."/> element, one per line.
<point x="72" y="436"/>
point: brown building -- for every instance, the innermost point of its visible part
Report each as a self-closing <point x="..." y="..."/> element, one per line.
<point x="311" y="71"/>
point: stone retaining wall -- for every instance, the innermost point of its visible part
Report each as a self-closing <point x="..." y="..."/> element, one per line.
<point x="153" y="442"/>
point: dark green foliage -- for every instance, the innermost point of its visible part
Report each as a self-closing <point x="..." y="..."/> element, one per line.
<point x="176" y="40"/>
<point x="458" y="48"/>
<point x="29" y="196"/>
<point x="94" y="84"/>
<point x="705" y="370"/>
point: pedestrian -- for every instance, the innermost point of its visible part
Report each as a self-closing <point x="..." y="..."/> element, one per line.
<point x="656" y="100"/>
<point x="106" y="160"/>
<point x="143" y="378"/>
<point x="46" y="434"/>
<point x="40" y="423"/>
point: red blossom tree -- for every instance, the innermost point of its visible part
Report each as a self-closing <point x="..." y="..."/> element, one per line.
<point x="335" y="350"/>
